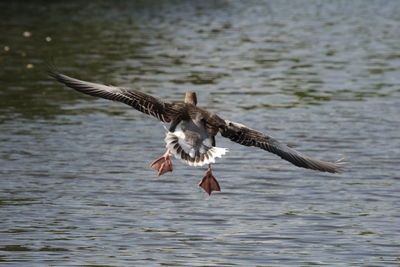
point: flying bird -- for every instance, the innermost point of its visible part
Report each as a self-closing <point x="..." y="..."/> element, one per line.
<point x="192" y="131"/>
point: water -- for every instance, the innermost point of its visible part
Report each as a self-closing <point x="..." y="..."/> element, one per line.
<point x="323" y="76"/>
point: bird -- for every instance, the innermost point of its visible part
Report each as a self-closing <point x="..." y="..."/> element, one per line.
<point x="193" y="130"/>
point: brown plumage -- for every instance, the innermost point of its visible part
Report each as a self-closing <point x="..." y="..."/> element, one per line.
<point x="176" y="112"/>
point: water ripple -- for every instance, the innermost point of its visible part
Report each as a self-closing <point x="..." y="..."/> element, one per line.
<point x="76" y="188"/>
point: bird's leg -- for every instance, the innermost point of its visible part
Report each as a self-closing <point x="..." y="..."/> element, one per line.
<point x="162" y="164"/>
<point x="209" y="183"/>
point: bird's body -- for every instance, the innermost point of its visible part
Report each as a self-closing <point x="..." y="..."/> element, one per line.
<point x="191" y="136"/>
<point x="193" y="144"/>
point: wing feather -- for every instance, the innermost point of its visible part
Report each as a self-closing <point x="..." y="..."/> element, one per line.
<point x="162" y="110"/>
<point x="246" y="136"/>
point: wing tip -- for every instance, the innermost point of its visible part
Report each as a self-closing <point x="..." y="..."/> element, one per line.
<point x="51" y="68"/>
<point x="341" y="165"/>
<point x="55" y="73"/>
<point x="52" y="71"/>
<point x="324" y="166"/>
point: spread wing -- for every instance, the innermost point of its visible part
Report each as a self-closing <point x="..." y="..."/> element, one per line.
<point x="243" y="135"/>
<point x="142" y="102"/>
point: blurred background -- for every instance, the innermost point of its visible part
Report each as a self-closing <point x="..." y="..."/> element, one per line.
<point x="75" y="182"/>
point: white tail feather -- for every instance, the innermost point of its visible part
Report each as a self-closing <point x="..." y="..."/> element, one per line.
<point x="202" y="159"/>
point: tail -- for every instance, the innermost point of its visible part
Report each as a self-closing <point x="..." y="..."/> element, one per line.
<point x="200" y="159"/>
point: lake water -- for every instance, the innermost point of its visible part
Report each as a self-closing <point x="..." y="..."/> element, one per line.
<point x="75" y="182"/>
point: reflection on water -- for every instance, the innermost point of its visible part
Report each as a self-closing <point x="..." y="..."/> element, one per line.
<point x="75" y="185"/>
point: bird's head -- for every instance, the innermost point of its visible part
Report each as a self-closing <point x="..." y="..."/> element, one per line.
<point x="190" y="98"/>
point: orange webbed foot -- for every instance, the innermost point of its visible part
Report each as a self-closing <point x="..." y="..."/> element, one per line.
<point x="209" y="183"/>
<point x="163" y="164"/>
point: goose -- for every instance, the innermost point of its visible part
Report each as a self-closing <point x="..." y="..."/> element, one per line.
<point x="192" y="131"/>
